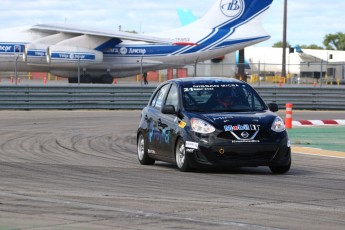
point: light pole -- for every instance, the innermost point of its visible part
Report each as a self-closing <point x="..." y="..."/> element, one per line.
<point x="16" y="69"/>
<point x="78" y="70"/>
<point x="284" y="40"/>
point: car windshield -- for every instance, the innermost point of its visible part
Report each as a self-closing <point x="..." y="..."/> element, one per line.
<point x="221" y="97"/>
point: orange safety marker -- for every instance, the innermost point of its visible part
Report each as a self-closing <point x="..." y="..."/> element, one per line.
<point x="288" y="116"/>
<point x="280" y="83"/>
<point x="115" y="82"/>
<point x="45" y="80"/>
<point x="12" y="80"/>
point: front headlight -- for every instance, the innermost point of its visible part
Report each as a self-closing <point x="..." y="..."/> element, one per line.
<point x="278" y="125"/>
<point x="200" y="126"/>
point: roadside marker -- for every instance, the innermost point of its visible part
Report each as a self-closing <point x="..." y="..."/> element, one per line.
<point x="288" y="116"/>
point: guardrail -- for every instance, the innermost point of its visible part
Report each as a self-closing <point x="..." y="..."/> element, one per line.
<point x="309" y="98"/>
<point x="73" y="97"/>
<point x="136" y="97"/>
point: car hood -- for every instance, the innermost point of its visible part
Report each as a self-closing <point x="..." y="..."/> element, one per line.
<point x="219" y="120"/>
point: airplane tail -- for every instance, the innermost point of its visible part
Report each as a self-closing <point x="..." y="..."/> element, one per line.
<point x="225" y="14"/>
<point x="229" y="23"/>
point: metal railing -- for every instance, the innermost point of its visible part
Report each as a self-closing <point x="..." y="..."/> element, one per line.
<point x="136" y="97"/>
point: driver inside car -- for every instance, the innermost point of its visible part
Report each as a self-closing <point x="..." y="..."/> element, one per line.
<point x="224" y="99"/>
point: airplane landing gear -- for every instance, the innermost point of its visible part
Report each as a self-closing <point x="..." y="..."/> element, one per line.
<point x="86" y="78"/>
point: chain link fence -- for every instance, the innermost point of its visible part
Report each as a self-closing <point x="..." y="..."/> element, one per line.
<point x="322" y="73"/>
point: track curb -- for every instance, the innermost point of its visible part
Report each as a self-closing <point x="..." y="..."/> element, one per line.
<point x="317" y="152"/>
<point x="317" y="122"/>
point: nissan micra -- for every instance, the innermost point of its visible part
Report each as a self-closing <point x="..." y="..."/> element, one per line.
<point x="220" y="122"/>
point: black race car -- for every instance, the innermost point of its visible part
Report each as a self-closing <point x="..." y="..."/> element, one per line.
<point x="221" y="122"/>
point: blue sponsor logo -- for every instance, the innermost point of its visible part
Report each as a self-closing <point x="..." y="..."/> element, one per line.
<point x="245" y="127"/>
<point x="74" y="56"/>
<point x="158" y="136"/>
<point x="127" y="51"/>
<point x="36" y="53"/>
<point x="232" y="8"/>
<point x="11" y="48"/>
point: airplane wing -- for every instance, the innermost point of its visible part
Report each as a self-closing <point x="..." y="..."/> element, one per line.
<point x="56" y="28"/>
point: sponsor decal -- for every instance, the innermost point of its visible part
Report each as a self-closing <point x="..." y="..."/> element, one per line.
<point x="10" y="48"/>
<point x="126" y="50"/>
<point x="33" y="53"/>
<point x="245" y="141"/>
<point x="192" y="145"/>
<point x="182" y="124"/>
<point x="244" y="127"/>
<point x="232" y="8"/>
<point x="150" y="151"/>
<point x="185" y="39"/>
<point x="74" y="56"/>
<point x="189" y="150"/>
<point x="159" y="136"/>
<point x="4" y="48"/>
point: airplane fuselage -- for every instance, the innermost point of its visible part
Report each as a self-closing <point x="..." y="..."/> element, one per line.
<point x="65" y="50"/>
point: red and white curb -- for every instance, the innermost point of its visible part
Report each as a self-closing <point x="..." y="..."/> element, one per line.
<point x="317" y="122"/>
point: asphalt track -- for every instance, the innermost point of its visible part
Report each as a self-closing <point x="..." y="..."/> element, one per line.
<point x="79" y="170"/>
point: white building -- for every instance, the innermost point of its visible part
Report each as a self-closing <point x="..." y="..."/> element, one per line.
<point x="307" y="64"/>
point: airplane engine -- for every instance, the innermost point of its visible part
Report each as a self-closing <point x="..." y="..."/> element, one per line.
<point x="65" y="55"/>
<point x="35" y="54"/>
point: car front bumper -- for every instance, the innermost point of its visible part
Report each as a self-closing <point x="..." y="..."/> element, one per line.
<point x="240" y="154"/>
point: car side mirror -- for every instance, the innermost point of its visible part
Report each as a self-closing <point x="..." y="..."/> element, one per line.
<point x="168" y="109"/>
<point x="273" y="107"/>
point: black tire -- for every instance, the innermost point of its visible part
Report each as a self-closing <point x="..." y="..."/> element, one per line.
<point x="181" y="158"/>
<point x="107" y="79"/>
<point x="281" y="169"/>
<point x="72" y="80"/>
<point x="86" y="78"/>
<point x="143" y="156"/>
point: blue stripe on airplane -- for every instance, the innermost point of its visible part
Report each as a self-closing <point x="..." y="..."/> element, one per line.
<point x="153" y="51"/>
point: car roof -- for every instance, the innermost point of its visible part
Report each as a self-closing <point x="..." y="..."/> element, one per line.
<point x="205" y="80"/>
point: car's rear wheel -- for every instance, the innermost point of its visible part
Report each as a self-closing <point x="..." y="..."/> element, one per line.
<point x="181" y="157"/>
<point x="281" y="169"/>
<point x="143" y="156"/>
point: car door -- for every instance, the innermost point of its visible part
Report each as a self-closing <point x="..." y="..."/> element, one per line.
<point x="156" y="131"/>
<point x="168" y="125"/>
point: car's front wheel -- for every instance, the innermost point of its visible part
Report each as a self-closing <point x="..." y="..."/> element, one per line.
<point x="181" y="157"/>
<point x="143" y="156"/>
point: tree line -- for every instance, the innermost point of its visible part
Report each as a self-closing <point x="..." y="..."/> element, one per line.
<point x="330" y="42"/>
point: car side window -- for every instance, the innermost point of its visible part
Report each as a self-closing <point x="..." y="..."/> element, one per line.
<point x="172" y="98"/>
<point x="158" y="99"/>
<point x="252" y="100"/>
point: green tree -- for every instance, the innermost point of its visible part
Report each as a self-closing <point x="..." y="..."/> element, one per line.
<point x="280" y="44"/>
<point x="312" y="46"/>
<point x="335" y="41"/>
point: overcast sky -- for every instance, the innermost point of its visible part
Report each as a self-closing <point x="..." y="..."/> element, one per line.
<point x="308" y="20"/>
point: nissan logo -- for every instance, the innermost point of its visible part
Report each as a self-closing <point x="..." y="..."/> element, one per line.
<point x="245" y="135"/>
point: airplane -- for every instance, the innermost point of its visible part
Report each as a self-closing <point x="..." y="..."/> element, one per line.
<point x="99" y="56"/>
